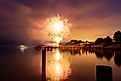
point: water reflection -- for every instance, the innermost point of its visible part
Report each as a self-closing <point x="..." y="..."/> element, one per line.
<point x="58" y="66"/>
<point x="104" y="53"/>
<point x="108" y="54"/>
<point x="99" y="54"/>
<point x="117" y="58"/>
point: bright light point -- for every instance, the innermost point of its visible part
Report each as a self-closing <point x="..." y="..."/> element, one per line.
<point x="56" y="24"/>
<point x="57" y="39"/>
<point x="58" y="68"/>
<point x="58" y="28"/>
<point x="57" y="55"/>
<point x="22" y="48"/>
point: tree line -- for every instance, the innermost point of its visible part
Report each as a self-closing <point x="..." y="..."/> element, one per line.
<point x="108" y="40"/>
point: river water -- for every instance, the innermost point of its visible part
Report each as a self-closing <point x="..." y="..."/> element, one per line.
<point x="61" y="65"/>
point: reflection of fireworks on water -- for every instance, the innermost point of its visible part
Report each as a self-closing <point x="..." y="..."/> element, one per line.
<point x="57" y="27"/>
<point x="58" y="67"/>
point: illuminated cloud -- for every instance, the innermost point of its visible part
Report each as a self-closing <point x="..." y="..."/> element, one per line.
<point x="89" y="18"/>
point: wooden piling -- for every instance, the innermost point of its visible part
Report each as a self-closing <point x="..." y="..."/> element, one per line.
<point x="44" y="64"/>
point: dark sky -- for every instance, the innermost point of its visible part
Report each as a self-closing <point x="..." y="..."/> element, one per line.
<point x="89" y="18"/>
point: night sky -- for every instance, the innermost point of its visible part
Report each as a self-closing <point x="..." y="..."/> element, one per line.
<point x="89" y="18"/>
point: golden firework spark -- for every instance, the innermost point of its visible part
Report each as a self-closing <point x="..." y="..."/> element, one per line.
<point x="58" y="28"/>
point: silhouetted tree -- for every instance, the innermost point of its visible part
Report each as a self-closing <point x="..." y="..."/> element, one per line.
<point x="117" y="37"/>
<point x="75" y="42"/>
<point x="80" y="41"/>
<point x="99" y="41"/>
<point x="108" y="40"/>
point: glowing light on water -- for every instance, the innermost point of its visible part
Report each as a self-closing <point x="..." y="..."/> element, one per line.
<point x="58" y="67"/>
<point x="58" y="28"/>
<point x="57" y="55"/>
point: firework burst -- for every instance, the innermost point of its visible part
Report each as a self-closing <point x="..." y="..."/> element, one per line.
<point x="58" y="28"/>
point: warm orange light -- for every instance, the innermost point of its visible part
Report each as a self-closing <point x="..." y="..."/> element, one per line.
<point x="57" y="39"/>
<point x="58" y="67"/>
<point x="57" y="55"/>
<point x="58" y="28"/>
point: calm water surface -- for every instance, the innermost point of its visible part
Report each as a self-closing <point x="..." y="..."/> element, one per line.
<point x="61" y="65"/>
